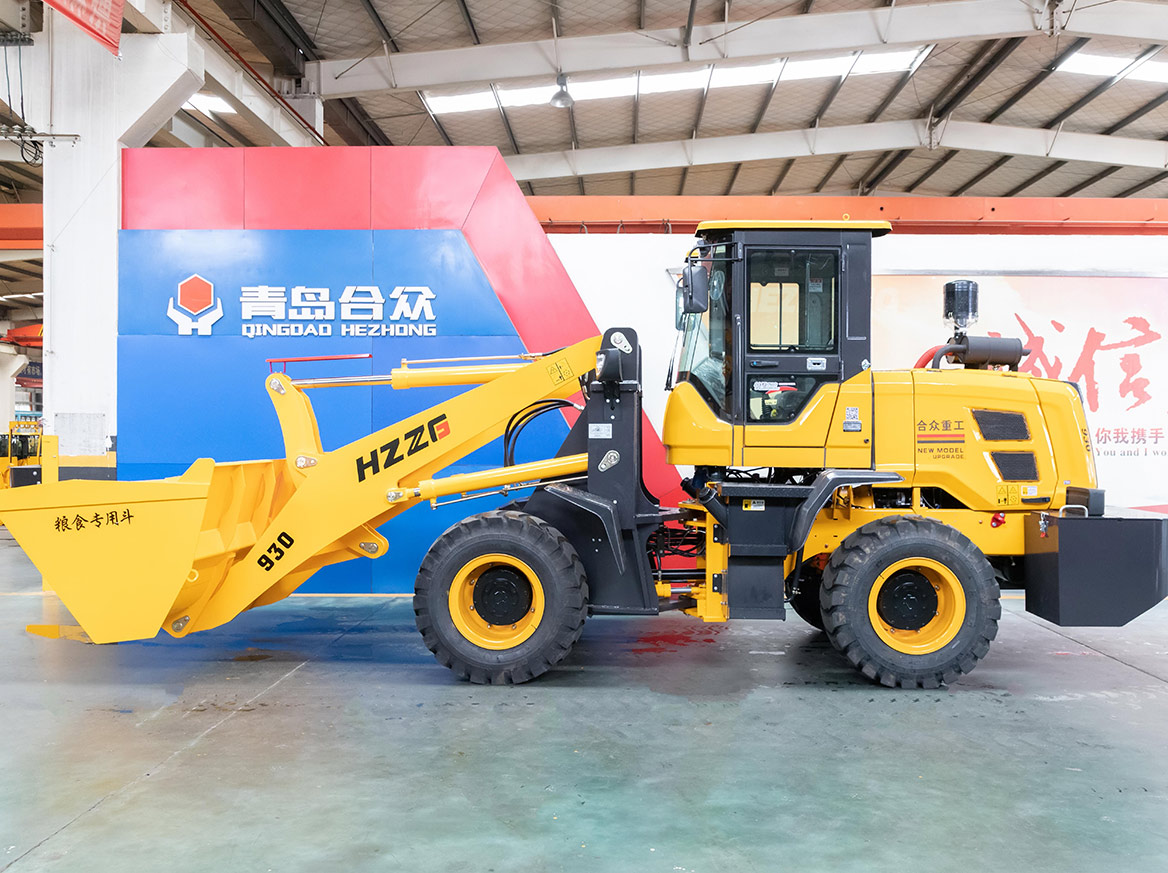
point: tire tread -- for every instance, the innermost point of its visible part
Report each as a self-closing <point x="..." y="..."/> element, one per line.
<point x="858" y="552"/>
<point x="567" y="574"/>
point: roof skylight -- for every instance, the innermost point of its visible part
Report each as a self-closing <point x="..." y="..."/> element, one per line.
<point x="819" y="68"/>
<point x="208" y="103"/>
<point x="464" y="102"/>
<point x="665" y="83"/>
<point x="1152" y="71"/>
<point x="1094" y="65"/>
<point x="689" y="80"/>
<point x="757" y="74"/>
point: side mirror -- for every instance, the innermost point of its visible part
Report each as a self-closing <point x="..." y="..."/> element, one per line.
<point x="695" y="283"/>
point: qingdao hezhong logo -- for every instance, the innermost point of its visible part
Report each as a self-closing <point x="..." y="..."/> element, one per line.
<point x="300" y="310"/>
<point x="194" y="313"/>
<point x="359" y="310"/>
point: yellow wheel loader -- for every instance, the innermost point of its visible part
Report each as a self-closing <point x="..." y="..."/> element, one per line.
<point x="27" y="455"/>
<point x="885" y="508"/>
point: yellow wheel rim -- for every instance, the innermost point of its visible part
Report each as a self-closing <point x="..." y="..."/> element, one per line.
<point x="905" y="579"/>
<point x="520" y="581"/>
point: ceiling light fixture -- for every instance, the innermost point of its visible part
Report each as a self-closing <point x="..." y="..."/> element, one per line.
<point x="562" y="99"/>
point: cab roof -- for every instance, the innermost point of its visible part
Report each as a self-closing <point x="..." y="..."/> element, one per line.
<point x="877" y="228"/>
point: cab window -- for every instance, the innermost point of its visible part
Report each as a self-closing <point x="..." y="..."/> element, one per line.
<point x="793" y="300"/>
<point x="706" y="357"/>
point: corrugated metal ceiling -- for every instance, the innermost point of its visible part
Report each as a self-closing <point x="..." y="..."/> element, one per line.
<point x="345" y="29"/>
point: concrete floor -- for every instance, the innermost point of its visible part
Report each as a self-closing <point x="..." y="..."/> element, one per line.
<point x="319" y="734"/>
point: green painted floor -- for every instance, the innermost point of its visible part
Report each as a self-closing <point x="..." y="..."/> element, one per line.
<point x="319" y="735"/>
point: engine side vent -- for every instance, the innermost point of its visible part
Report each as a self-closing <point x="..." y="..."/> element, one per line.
<point x="1001" y="425"/>
<point x="1016" y="466"/>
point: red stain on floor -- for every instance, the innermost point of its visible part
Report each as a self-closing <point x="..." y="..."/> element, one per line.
<point x="660" y="643"/>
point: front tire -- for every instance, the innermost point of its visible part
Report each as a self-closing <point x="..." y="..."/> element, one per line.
<point x="910" y="602"/>
<point x="500" y="598"/>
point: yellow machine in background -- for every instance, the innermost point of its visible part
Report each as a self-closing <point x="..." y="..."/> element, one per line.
<point x="884" y="507"/>
<point x="27" y="456"/>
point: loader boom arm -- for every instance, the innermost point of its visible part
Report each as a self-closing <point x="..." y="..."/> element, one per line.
<point x="199" y="549"/>
<point x="342" y="495"/>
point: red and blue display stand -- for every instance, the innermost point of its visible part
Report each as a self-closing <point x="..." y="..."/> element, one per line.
<point x="229" y="257"/>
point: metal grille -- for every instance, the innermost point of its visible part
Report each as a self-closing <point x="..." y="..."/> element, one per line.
<point x="1016" y="466"/>
<point x="1001" y="425"/>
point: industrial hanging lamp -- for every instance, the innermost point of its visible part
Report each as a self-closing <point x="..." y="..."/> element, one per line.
<point x="562" y="99"/>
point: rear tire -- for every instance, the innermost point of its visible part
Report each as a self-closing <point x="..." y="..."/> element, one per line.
<point x="500" y="598"/>
<point x="910" y="602"/>
<point x="805" y="600"/>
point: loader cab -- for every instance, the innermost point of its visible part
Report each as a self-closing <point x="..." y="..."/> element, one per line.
<point x="788" y="319"/>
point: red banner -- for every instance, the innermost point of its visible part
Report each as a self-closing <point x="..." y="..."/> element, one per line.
<point x="101" y="19"/>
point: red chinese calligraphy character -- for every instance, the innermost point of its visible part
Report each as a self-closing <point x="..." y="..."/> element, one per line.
<point x="1102" y="435"/>
<point x="1130" y="364"/>
<point x="1084" y="370"/>
<point x="1139" y="435"/>
<point x="1037" y="362"/>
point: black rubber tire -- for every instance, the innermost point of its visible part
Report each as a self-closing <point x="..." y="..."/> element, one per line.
<point x="805" y="601"/>
<point x="858" y="562"/>
<point x="549" y="555"/>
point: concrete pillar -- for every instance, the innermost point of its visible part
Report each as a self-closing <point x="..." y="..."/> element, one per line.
<point x="108" y="103"/>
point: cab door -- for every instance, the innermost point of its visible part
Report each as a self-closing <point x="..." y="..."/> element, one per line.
<point x="790" y="359"/>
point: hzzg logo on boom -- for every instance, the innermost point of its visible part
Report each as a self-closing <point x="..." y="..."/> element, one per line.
<point x="275" y="310"/>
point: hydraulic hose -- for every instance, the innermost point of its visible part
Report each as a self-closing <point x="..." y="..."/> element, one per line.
<point x="942" y="352"/>
<point x="923" y="360"/>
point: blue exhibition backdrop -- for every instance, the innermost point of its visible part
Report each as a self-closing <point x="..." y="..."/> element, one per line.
<point x="186" y="397"/>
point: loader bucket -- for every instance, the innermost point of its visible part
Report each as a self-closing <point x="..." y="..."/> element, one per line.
<point x="126" y="556"/>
